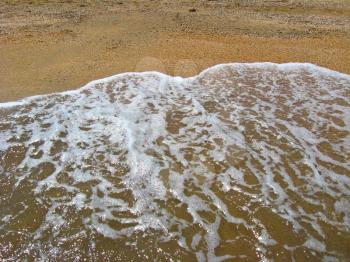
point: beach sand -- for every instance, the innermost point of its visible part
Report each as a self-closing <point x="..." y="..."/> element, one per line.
<point x="51" y="46"/>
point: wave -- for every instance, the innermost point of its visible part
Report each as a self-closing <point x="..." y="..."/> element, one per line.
<point x="242" y="161"/>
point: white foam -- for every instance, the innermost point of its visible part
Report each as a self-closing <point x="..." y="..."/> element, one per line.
<point x="115" y="143"/>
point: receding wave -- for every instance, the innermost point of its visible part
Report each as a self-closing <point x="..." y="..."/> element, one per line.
<point x="246" y="162"/>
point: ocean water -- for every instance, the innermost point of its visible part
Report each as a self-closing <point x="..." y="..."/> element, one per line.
<point x="244" y="162"/>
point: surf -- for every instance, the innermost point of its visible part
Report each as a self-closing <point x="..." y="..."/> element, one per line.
<point x="243" y="161"/>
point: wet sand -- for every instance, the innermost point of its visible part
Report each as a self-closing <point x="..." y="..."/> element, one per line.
<point x="49" y="46"/>
<point x="242" y="163"/>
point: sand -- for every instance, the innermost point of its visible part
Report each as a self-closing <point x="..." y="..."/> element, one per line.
<point x="51" y="46"/>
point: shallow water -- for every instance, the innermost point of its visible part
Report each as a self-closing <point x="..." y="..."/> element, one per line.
<point x="245" y="162"/>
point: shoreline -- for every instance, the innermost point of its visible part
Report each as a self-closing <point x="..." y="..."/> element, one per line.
<point x="283" y="66"/>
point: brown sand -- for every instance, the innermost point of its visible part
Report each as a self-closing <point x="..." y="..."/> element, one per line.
<point x="49" y="46"/>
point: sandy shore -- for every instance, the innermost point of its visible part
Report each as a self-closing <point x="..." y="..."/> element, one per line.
<point x="48" y="46"/>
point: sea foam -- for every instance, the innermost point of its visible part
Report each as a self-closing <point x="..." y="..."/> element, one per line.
<point x="245" y="161"/>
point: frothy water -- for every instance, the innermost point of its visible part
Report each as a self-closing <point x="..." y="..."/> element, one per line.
<point x="244" y="162"/>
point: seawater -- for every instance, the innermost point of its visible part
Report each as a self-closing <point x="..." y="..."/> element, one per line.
<point x="244" y="162"/>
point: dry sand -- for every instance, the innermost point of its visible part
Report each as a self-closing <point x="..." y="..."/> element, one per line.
<point x="49" y="46"/>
